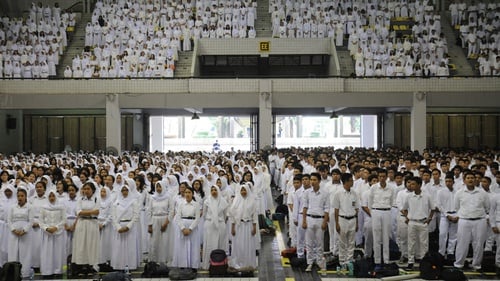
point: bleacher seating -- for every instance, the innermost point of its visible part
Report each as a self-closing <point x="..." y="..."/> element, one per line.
<point x="30" y="47"/>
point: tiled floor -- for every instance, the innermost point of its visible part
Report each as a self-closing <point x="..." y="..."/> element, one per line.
<point x="198" y="279"/>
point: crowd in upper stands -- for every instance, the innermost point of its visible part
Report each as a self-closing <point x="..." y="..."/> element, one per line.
<point x="137" y="39"/>
<point x="143" y="38"/>
<point x="31" y="47"/>
<point x="478" y="25"/>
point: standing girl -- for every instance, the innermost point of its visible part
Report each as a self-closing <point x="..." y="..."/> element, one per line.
<point x="187" y="243"/>
<point x="158" y="223"/>
<point x="125" y="215"/>
<point x="243" y="229"/>
<point x="86" y="235"/>
<point x="19" y="221"/>
<point x="53" y="250"/>
<point x="214" y="212"/>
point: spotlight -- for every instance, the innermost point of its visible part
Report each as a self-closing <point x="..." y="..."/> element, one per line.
<point x="195" y="116"/>
<point x="334" y="115"/>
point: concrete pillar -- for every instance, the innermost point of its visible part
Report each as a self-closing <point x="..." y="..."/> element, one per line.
<point x="418" y="121"/>
<point x="156" y="138"/>
<point x="12" y="137"/>
<point x="388" y="129"/>
<point x="265" y="114"/>
<point x="368" y="131"/>
<point x="138" y="129"/>
<point x="113" y="122"/>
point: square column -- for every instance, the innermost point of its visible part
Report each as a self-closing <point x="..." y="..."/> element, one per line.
<point x="265" y="114"/>
<point x="113" y="122"/>
<point x="418" y="121"/>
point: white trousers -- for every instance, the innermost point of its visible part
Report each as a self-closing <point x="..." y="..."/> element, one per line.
<point x="470" y="231"/>
<point x="381" y="224"/>
<point x="368" y="233"/>
<point x="301" y="238"/>
<point x="292" y="231"/>
<point x="314" y="240"/>
<point x="418" y="240"/>
<point x="497" y="238"/>
<point x="346" y="239"/>
<point x="394" y="223"/>
<point x="402" y="239"/>
<point x="447" y="232"/>
<point x="334" y="240"/>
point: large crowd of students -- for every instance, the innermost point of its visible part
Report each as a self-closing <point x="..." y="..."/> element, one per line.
<point x="31" y="47"/>
<point x="118" y="211"/>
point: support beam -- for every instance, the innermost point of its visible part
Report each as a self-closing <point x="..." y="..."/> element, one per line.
<point x="265" y="114"/>
<point x="418" y="121"/>
<point x="388" y="129"/>
<point x="113" y="122"/>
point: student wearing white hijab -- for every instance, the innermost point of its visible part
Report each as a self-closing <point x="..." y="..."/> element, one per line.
<point x="86" y="233"/>
<point x="158" y="215"/>
<point x="244" y="221"/>
<point x="53" y="250"/>
<point x="6" y="202"/>
<point x="125" y="215"/>
<point x="215" y="230"/>
<point x="187" y="240"/>
<point x="70" y="203"/>
<point x="105" y="225"/>
<point x="37" y="203"/>
<point x="20" y="221"/>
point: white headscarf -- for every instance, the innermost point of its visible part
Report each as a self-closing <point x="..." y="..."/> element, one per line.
<point x="160" y="196"/>
<point x="215" y="204"/>
<point x="53" y="206"/>
<point x="125" y="202"/>
<point x="243" y="205"/>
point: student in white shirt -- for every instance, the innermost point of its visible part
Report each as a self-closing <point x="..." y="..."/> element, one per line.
<point x="472" y="204"/>
<point x="449" y="219"/>
<point x="314" y="220"/>
<point x="346" y="205"/>
<point x="419" y="210"/>
<point x="380" y="203"/>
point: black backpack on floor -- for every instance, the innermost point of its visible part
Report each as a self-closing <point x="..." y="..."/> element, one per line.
<point x="453" y="274"/>
<point x="177" y="273"/>
<point x="431" y="266"/>
<point x="218" y="263"/>
<point x="11" y="271"/>
<point x="153" y="269"/>
<point x="116" y="276"/>
<point x="363" y="268"/>
<point x="388" y="270"/>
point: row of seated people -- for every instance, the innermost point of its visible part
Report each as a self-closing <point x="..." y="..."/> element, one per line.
<point x="174" y="20"/>
<point x="31" y="47"/>
<point x="479" y="34"/>
<point x="303" y="19"/>
<point x="117" y="62"/>
<point x="460" y="10"/>
<point x="397" y="67"/>
<point x="31" y="59"/>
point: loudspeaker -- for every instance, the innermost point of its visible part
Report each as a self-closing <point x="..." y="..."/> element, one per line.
<point x="11" y="123"/>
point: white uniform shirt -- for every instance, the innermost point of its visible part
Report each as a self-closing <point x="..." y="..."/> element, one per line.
<point x="446" y="201"/>
<point x="347" y="202"/>
<point x="317" y="203"/>
<point x="472" y="204"/>
<point x="418" y="206"/>
<point x="381" y="198"/>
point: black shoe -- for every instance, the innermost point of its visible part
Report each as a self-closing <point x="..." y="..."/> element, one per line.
<point x="410" y="267"/>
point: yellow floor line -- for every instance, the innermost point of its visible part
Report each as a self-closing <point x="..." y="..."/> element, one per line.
<point x="289" y="279"/>
<point x="285" y="262"/>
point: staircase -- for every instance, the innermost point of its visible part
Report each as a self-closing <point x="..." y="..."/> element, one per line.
<point x="183" y="65"/>
<point x="346" y="62"/>
<point x="76" y="43"/>
<point x="263" y="21"/>
<point x="458" y="58"/>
